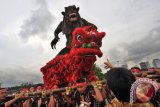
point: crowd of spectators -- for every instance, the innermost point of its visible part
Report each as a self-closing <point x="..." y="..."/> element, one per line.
<point x="121" y="89"/>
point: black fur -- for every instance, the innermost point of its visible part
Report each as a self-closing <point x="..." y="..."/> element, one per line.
<point x="67" y="27"/>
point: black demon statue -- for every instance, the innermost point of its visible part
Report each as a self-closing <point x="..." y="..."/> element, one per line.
<point x="71" y="20"/>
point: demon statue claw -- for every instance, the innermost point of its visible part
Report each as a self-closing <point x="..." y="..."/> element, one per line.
<point x="71" y="20"/>
<point x="78" y="62"/>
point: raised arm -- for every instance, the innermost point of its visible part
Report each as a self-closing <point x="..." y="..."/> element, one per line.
<point x="108" y="64"/>
<point x="9" y="103"/>
<point x="98" y="96"/>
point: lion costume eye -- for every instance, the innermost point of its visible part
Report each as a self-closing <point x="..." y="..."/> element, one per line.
<point x="79" y="38"/>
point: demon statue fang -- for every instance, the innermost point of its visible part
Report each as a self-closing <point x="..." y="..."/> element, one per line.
<point x="71" y="20"/>
<point x="68" y="68"/>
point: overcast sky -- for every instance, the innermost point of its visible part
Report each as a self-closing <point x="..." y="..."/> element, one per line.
<point x="26" y="30"/>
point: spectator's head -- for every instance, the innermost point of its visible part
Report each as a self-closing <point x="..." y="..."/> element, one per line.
<point x="81" y="83"/>
<point x="135" y="70"/>
<point x="3" y="93"/>
<point x="119" y="80"/>
<point x="32" y="89"/>
<point x="39" y="88"/>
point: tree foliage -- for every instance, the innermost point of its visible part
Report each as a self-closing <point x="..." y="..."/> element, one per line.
<point x="98" y="72"/>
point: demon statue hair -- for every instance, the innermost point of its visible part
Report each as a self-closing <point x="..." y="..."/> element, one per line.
<point x="76" y="64"/>
<point x="71" y="20"/>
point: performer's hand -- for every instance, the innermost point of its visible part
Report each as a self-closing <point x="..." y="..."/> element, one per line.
<point x="157" y="71"/>
<point x="93" y="83"/>
<point x="39" y="102"/>
<point x="87" y="104"/>
<point x="49" y="92"/>
<point x="54" y="42"/>
<point x="20" y="95"/>
<point x="144" y="74"/>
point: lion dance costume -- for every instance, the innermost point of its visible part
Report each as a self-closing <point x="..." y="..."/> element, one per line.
<point x="78" y="62"/>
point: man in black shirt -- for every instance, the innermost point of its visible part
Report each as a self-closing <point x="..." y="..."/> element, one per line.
<point x="88" y="96"/>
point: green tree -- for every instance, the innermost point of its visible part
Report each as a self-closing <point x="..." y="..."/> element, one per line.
<point x="98" y="72"/>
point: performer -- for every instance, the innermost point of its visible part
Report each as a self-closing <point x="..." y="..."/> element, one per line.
<point x="71" y="20"/>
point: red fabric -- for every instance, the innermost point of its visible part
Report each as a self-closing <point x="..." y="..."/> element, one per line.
<point x="81" y="84"/>
<point x="151" y="92"/>
<point x="135" y="70"/>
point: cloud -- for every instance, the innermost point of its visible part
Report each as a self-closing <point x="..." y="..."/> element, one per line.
<point x="14" y="52"/>
<point x="21" y="62"/>
<point x="39" y="23"/>
<point x="17" y="76"/>
<point x="139" y="49"/>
